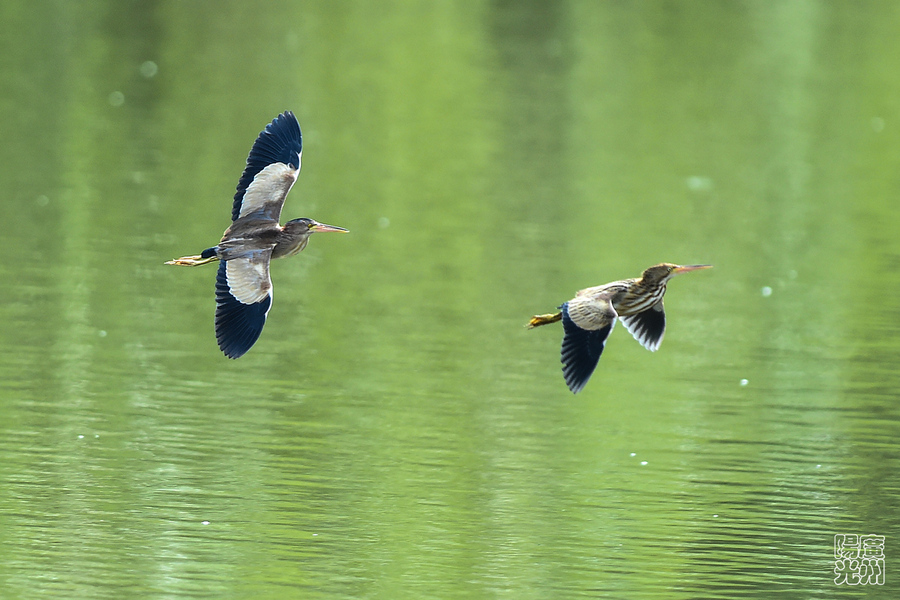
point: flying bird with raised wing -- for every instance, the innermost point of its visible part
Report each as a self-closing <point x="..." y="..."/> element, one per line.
<point x="255" y="237"/>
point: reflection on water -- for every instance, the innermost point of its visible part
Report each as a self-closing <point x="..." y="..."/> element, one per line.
<point x="396" y="432"/>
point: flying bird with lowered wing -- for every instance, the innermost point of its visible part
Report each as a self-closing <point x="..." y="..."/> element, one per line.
<point x="590" y="316"/>
<point x="243" y="285"/>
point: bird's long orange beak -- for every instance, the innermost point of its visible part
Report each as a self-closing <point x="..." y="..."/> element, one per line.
<point x="687" y="268"/>
<point x="322" y="227"/>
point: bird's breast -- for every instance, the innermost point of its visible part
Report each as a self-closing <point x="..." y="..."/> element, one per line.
<point x="637" y="299"/>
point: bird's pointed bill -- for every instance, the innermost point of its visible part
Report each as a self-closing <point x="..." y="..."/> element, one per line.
<point x="687" y="268"/>
<point x="322" y="227"/>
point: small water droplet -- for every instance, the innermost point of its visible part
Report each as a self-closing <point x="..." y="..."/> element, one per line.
<point x="698" y="183"/>
<point x="80" y="437"/>
<point x="149" y="69"/>
<point x="101" y="333"/>
<point x="766" y="291"/>
<point x="744" y="382"/>
<point x="634" y="453"/>
<point x="42" y="200"/>
<point x="117" y="99"/>
<point x="204" y="522"/>
<point x="643" y="462"/>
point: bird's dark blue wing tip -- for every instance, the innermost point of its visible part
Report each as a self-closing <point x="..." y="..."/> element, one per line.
<point x="238" y="325"/>
<point x="280" y="142"/>
<point x="651" y="324"/>
<point x="286" y="130"/>
<point x="581" y="350"/>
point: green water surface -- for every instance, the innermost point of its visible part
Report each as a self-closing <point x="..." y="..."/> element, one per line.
<point x="396" y="432"/>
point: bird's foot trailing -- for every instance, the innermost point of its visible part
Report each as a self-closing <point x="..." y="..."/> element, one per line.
<point x="538" y="320"/>
<point x="192" y="261"/>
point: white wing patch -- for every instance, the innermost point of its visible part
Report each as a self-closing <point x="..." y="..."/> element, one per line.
<point x="248" y="277"/>
<point x="268" y="190"/>
<point x="590" y="313"/>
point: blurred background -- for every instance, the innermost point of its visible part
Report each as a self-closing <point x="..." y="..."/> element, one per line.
<point x="396" y="432"/>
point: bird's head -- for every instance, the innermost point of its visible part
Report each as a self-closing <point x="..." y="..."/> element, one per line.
<point x="308" y="226"/>
<point x="660" y="274"/>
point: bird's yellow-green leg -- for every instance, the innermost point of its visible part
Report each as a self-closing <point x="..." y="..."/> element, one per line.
<point x="538" y="320"/>
<point x="191" y="261"/>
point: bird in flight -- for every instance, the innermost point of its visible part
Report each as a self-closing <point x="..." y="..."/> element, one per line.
<point x="243" y="285"/>
<point x="590" y="316"/>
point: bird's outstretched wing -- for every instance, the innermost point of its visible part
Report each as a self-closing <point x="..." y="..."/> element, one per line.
<point x="647" y="327"/>
<point x="272" y="168"/>
<point x="243" y="299"/>
<point x="587" y="322"/>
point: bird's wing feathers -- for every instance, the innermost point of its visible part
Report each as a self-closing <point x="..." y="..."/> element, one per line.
<point x="591" y="312"/>
<point x="248" y="277"/>
<point x="243" y="300"/>
<point x="266" y="193"/>
<point x="279" y="143"/>
<point x="587" y="322"/>
<point x="647" y="327"/>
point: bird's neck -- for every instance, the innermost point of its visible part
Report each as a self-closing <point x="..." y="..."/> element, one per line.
<point x="289" y="244"/>
<point x="639" y="296"/>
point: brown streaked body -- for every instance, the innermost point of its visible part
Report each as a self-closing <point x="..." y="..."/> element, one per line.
<point x="590" y="316"/>
<point x="255" y="237"/>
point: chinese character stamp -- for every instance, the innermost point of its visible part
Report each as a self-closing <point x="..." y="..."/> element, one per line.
<point x="859" y="559"/>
